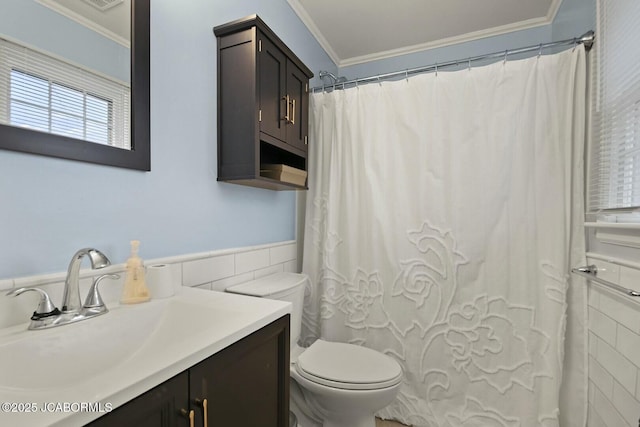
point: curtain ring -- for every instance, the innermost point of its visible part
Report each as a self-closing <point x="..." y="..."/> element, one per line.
<point x="506" y="52"/>
<point x="342" y="85"/>
<point x="379" y="81"/>
<point x="469" y="64"/>
<point x="540" y="50"/>
<point x="323" y="89"/>
<point x="436" y="69"/>
<point x="357" y="84"/>
<point x="406" y="75"/>
<point x="575" y="44"/>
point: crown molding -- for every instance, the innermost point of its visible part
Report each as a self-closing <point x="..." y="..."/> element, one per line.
<point x="475" y="35"/>
<point x="463" y="38"/>
<point x="57" y="7"/>
<point x="311" y="25"/>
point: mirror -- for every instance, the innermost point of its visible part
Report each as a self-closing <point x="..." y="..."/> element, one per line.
<point x="29" y="140"/>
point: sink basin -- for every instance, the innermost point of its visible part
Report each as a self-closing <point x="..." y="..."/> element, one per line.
<point x="117" y="356"/>
<point x="66" y="355"/>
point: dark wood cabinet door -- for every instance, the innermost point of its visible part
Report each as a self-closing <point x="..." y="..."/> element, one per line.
<point x="247" y="384"/>
<point x="272" y="74"/>
<point x="297" y="89"/>
<point x="161" y="406"/>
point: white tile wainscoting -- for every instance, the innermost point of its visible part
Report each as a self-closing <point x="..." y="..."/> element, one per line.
<point x="614" y="319"/>
<point x="208" y="270"/>
<point x="614" y="346"/>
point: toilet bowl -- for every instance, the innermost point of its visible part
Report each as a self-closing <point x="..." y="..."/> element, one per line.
<point x="333" y="384"/>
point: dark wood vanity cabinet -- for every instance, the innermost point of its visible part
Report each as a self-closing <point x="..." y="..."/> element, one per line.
<point x="244" y="385"/>
<point x="263" y="104"/>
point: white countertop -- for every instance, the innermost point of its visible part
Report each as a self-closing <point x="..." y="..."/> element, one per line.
<point x="173" y="334"/>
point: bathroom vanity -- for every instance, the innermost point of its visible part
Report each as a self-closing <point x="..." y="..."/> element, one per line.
<point x="246" y="384"/>
<point x="198" y="358"/>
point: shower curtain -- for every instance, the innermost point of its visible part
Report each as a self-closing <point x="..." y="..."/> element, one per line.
<point x="444" y="213"/>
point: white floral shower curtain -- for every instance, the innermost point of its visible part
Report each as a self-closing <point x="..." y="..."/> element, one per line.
<point x="443" y="215"/>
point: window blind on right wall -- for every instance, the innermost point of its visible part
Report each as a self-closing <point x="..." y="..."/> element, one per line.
<point x="614" y="170"/>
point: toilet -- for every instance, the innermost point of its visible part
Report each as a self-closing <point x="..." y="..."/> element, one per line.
<point x="332" y="384"/>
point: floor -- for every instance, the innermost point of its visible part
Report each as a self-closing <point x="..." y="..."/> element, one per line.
<point x="383" y="423"/>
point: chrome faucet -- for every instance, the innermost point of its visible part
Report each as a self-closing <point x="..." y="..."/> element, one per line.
<point x="48" y="316"/>
<point x="71" y="296"/>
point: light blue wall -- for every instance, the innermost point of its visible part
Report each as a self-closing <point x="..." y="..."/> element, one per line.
<point x="41" y="27"/>
<point x="450" y="53"/>
<point x="574" y="18"/>
<point x="50" y="207"/>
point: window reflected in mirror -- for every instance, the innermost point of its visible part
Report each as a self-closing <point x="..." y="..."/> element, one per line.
<point x="73" y="76"/>
<point x="75" y="94"/>
<point x="53" y="96"/>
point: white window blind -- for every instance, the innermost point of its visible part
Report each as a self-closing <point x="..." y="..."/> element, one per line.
<point x="43" y="93"/>
<point x="614" y="175"/>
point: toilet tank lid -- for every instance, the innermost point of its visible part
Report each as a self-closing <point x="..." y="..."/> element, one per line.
<point x="269" y="285"/>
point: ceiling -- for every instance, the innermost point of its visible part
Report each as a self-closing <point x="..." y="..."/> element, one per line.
<point x="357" y="31"/>
<point x="114" y="22"/>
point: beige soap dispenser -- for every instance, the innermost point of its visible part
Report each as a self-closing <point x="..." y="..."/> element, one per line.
<point x="135" y="290"/>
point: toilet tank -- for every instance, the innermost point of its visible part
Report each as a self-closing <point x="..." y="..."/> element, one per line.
<point x="283" y="287"/>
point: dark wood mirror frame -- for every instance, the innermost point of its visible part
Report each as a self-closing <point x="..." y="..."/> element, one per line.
<point x="139" y="157"/>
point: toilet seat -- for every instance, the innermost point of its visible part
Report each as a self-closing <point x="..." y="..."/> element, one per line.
<point x="347" y="366"/>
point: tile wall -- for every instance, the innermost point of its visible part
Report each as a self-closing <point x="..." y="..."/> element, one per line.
<point x="208" y="270"/>
<point x="614" y="347"/>
<point x="614" y="319"/>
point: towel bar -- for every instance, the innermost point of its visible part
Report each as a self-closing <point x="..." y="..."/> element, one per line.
<point x="590" y="272"/>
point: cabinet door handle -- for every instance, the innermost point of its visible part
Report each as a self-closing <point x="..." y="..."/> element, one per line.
<point x="203" y="403"/>
<point x="191" y="415"/>
<point x="293" y="112"/>
<point x="286" y="116"/>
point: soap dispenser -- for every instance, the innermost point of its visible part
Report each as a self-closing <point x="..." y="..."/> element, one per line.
<point x="135" y="290"/>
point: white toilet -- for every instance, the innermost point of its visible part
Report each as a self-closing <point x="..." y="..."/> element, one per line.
<point x="334" y="384"/>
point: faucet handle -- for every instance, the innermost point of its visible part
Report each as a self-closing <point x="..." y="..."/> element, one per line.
<point x="94" y="299"/>
<point x="45" y="306"/>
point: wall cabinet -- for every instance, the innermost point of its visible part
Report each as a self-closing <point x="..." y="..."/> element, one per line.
<point x="244" y="385"/>
<point x="263" y="104"/>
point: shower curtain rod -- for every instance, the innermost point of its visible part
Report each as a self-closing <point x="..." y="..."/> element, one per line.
<point x="586" y="39"/>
